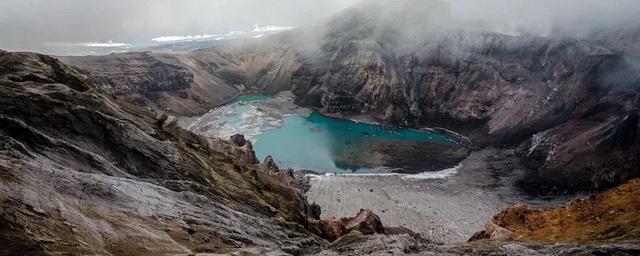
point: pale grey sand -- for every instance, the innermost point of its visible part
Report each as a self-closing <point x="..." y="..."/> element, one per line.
<point x="443" y="210"/>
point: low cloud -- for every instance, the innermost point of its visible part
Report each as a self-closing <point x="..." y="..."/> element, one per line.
<point x="257" y="32"/>
<point x="33" y="25"/>
<point x="547" y="17"/>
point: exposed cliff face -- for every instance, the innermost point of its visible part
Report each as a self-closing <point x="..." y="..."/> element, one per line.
<point x="494" y="88"/>
<point x="193" y="83"/>
<point x="143" y="74"/>
<point x="167" y="82"/>
<point x="264" y="65"/>
<point x="573" y="103"/>
<point x="597" y="148"/>
<point x="82" y="174"/>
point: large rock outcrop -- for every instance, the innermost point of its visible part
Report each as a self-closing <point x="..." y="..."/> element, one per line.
<point x="598" y="148"/>
<point x="572" y="104"/>
<point x="365" y="222"/>
<point x="493" y="87"/>
<point x="166" y="82"/>
<point x="82" y="174"/>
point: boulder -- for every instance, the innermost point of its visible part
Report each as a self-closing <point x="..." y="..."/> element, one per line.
<point x="498" y="233"/>
<point x="270" y="164"/>
<point x="314" y="211"/>
<point x="165" y="120"/>
<point x="244" y="148"/>
<point x="238" y="140"/>
<point x="366" y="222"/>
<point x="235" y="148"/>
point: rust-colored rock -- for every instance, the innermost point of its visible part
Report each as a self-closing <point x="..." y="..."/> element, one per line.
<point x="366" y="222"/>
<point x="602" y="218"/>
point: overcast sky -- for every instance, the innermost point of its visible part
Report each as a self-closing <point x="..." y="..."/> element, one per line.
<point x="36" y="25"/>
<point x="32" y="24"/>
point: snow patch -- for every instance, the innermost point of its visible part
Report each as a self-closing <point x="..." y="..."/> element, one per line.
<point x="257" y="32"/>
<point x="270" y="28"/>
<point x="443" y="174"/>
<point x="108" y="44"/>
<point x="164" y="39"/>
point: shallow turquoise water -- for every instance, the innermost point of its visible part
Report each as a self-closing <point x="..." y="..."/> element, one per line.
<point x="316" y="141"/>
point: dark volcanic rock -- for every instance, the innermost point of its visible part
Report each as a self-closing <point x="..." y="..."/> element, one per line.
<point x="404" y="156"/>
<point x="144" y="74"/>
<point x="270" y="164"/>
<point x="165" y="82"/>
<point x="491" y="86"/>
<point x="238" y="140"/>
<point x="494" y="88"/>
<point x="81" y="174"/>
<point x="599" y="149"/>
<point x="314" y="211"/>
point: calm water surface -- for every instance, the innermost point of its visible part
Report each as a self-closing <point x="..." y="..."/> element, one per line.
<point x="314" y="142"/>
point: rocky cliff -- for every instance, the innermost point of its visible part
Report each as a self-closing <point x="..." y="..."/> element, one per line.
<point x="191" y="84"/>
<point x="497" y="88"/>
<point x="85" y="170"/>
<point x="530" y="92"/>
<point x="165" y="82"/>
<point x="83" y="174"/>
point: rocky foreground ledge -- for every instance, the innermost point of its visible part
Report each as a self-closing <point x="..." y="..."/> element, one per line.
<point x="83" y="173"/>
<point x="604" y="224"/>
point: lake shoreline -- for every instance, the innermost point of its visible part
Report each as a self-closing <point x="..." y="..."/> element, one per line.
<point x="442" y="209"/>
<point x="276" y="126"/>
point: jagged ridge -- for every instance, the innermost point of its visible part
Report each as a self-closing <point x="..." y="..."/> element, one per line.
<point x="83" y="174"/>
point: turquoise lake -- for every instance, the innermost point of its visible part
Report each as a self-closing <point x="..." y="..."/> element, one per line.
<point x="313" y="141"/>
